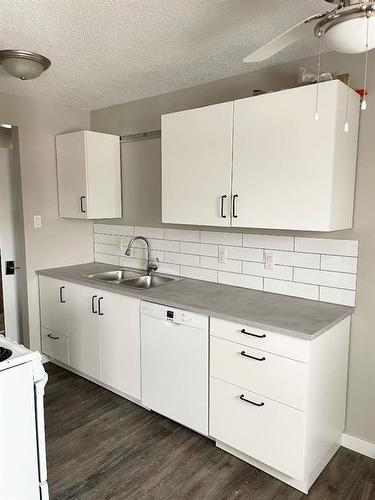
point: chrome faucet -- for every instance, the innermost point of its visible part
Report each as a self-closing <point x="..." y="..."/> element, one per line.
<point x="151" y="264"/>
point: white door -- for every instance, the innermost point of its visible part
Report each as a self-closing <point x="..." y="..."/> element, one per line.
<point x="282" y="159"/>
<point x="196" y="165"/>
<point x="53" y="304"/>
<point x="84" y="346"/>
<point x="120" y="343"/>
<point x="12" y="307"/>
<point x="71" y="171"/>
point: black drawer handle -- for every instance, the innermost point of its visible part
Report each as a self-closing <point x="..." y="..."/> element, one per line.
<point x="100" y="306"/>
<point x="242" y="397"/>
<point x="93" y="310"/>
<point x="253" y="334"/>
<point x="222" y="206"/>
<point x="61" y="295"/>
<point x="243" y="353"/>
<point x="52" y="337"/>
<point x="81" y="204"/>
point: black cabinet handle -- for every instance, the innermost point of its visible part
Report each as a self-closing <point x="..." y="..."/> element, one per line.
<point x="222" y="206"/>
<point x="52" y="337"/>
<point x="81" y="202"/>
<point x="253" y="334"/>
<point x="93" y="310"/>
<point x="100" y="306"/>
<point x="61" y="294"/>
<point x="234" y="206"/>
<point x="243" y="353"/>
<point x="242" y="397"/>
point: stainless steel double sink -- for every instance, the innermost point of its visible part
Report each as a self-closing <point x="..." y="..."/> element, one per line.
<point x="133" y="278"/>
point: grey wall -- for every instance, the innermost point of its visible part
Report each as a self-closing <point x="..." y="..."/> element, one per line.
<point x="59" y="241"/>
<point x="144" y="115"/>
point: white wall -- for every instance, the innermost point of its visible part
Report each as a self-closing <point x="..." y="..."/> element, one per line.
<point x="60" y="241"/>
<point x="144" y="115"/>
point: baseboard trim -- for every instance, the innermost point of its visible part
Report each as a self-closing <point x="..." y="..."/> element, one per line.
<point x="358" y="445"/>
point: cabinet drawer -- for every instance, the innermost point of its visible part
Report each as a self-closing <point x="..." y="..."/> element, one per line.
<point x="272" y="433"/>
<point x="276" y="343"/>
<point x="278" y="378"/>
<point x="55" y="345"/>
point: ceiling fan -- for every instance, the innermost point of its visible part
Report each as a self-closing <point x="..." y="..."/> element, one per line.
<point x="349" y="27"/>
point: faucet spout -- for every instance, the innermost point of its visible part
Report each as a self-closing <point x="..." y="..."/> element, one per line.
<point x="151" y="265"/>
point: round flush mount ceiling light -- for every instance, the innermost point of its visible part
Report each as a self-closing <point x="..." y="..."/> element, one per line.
<point x="23" y="64"/>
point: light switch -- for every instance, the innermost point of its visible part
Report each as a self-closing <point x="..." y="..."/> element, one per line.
<point x="269" y="260"/>
<point x="37" y="221"/>
<point x="222" y="255"/>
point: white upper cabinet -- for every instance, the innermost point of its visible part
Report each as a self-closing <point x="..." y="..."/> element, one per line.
<point x="282" y="170"/>
<point x="89" y="175"/>
<point x="196" y="165"/>
<point x="289" y="170"/>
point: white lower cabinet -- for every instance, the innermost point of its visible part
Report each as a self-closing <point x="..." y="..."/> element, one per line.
<point x="284" y="413"/>
<point x="120" y="343"/>
<point x="84" y="342"/>
<point x="97" y="334"/>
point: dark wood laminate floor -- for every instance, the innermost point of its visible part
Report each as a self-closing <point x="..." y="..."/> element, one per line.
<point x="101" y="446"/>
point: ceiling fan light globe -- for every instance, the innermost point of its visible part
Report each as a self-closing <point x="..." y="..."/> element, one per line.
<point x="349" y="36"/>
<point x="25" y="69"/>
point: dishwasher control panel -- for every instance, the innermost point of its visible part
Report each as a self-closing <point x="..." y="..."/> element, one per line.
<point x="173" y="315"/>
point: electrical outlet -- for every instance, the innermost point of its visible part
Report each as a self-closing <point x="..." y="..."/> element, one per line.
<point x="222" y="255"/>
<point x="37" y="221"/>
<point x="269" y="260"/>
<point x="122" y="245"/>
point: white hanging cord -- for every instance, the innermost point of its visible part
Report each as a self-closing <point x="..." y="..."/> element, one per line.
<point x="364" y="102"/>
<point x="346" y="126"/>
<point x="318" y="79"/>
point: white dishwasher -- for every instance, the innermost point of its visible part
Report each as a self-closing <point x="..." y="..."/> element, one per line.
<point x="174" y="358"/>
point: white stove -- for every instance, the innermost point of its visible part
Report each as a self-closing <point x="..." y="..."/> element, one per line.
<point x="23" y="467"/>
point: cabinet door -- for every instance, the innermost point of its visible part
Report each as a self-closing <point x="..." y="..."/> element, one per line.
<point x="120" y="343"/>
<point x="196" y="165"/>
<point x="103" y="175"/>
<point x="71" y="171"/>
<point x="53" y="304"/>
<point x="283" y="159"/>
<point x="84" y="346"/>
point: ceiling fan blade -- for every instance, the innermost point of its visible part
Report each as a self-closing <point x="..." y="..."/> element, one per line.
<point x="283" y="40"/>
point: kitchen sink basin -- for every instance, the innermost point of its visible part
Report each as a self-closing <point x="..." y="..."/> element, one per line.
<point x="148" y="281"/>
<point x="133" y="278"/>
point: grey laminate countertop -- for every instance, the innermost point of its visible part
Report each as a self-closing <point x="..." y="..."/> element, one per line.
<point x="301" y="318"/>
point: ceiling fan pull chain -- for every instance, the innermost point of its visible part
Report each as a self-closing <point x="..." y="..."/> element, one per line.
<point x="318" y="79"/>
<point x="364" y="101"/>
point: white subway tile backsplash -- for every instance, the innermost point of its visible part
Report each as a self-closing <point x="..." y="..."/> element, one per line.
<point x="325" y="278"/>
<point x="182" y="235"/>
<point x="213" y="263"/>
<point x="258" y="269"/>
<point x="291" y="288"/>
<point x="327" y="246"/>
<point x="253" y="282"/>
<point x="198" y="273"/>
<point x="344" y="297"/>
<point x="184" y="259"/>
<point x="343" y="264"/>
<point x="150" y="232"/>
<point x="167" y="268"/>
<point x="296" y="259"/>
<point x="221" y="238"/>
<point x="199" y="249"/>
<point x="241" y="253"/>
<point x="106" y="259"/>
<point x="313" y="268"/>
<point x="270" y="242"/>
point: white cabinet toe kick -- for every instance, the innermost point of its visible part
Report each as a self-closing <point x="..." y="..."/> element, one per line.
<point x="275" y="401"/>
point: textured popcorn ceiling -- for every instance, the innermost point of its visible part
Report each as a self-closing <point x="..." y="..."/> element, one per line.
<point x="106" y="52"/>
